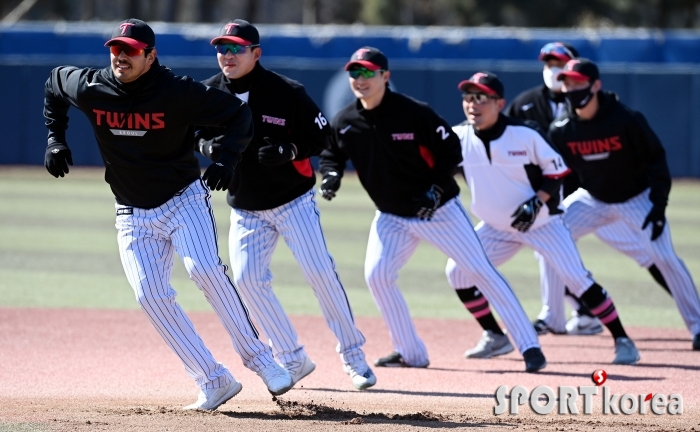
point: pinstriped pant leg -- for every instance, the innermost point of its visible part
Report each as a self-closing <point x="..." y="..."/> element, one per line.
<point x="451" y="231"/>
<point x="252" y="242"/>
<point x="622" y="238"/>
<point x="661" y="251"/>
<point x="499" y="247"/>
<point x="554" y="243"/>
<point x="147" y="257"/>
<point x="195" y="239"/>
<point x="299" y="224"/>
<point x="389" y="246"/>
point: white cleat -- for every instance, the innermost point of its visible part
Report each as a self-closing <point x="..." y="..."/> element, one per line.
<point x="583" y="325"/>
<point x="276" y="378"/>
<point x="211" y="399"/>
<point x="361" y="375"/>
<point x="490" y="345"/>
<point x="299" y="369"/>
<point x="625" y="352"/>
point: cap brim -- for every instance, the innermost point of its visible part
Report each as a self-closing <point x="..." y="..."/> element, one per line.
<point x="133" y="43"/>
<point x="466" y="85"/>
<point x="560" y="57"/>
<point x="578" y="76"/>
<point x="364" y="63"/>
<point x="231" y="39"/>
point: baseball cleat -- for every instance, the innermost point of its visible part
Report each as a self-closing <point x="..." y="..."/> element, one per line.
<point x="490" y="345"/>
<point x="583" y="325"/>
<point x="211" y="399"/>
<point x="542" y="328"/>
<point x="396" y="360"/>
<point x="361" y="375"/>
<point x="276" y="378"/>
<point x="534" y="360"/>
<point x="299" y="369"/>
<point x="696" y="342"/>
<point x="625" y="352"/>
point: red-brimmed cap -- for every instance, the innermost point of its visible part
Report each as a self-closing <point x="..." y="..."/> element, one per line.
<point x="134" y="33"/>
<point x="486" y="82"/>
<point x="559" y="50"/>
<point x="580" y="69"/>
<point x="370" y="58"/>
<point x="238" y="31"/>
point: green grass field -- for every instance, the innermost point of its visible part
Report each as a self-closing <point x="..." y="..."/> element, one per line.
<point x="58" y="249"/>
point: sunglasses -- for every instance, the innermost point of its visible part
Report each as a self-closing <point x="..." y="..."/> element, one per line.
<point x="478" y="98"/>
<point x="131" y="52"/>
<point x="233" y="48"/>
<point x="556" y="48"/>
<point x="363" y="72"/>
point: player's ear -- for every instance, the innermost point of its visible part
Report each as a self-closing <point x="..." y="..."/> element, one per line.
<point x="385" y="76"/>
<point x="257" y="53"/>
<point x="151" y="57"/>
<point x="597" y="85"/>
<point x="501" y="103"/>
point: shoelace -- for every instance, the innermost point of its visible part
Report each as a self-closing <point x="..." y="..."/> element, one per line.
<point x="274" y="372"/>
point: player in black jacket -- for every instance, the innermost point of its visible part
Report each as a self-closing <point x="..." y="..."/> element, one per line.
<point x="543" y="104"/>
<point x="142" y="116"/>
<point x="405" y="156"/>
<point x="622" y="168"/>
<point x="273" y="195"/>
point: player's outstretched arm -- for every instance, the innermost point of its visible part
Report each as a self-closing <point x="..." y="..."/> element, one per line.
<point x="60" y="91"/>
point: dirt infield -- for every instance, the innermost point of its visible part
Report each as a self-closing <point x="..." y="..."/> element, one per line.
<point x="109" y="370"/>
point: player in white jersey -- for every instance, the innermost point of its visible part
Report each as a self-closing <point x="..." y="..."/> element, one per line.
<point x="405" y="156"/>
<point x="513" y="173"/>
<point x="142" y="116"/>
<point x="273" y="196"/>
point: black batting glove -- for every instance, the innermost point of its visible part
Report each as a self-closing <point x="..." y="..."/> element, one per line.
<point x="57" y="159"/>
<point x="211" y="149"/>
<point x="429" y="202"/>
<point x="276" y="153"/>
<point x="657" y="219"/>
<point x="526" y="213"/>
<point x="218" y="176"/>
<point x="330" y="185"/>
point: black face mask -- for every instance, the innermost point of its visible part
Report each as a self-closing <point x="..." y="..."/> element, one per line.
<point x="579" y="98"/>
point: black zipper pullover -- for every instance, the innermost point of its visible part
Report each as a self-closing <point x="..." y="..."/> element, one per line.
<point x="283" y="111"/>
<point x="399" y="149"/>
<point x="144" y="129"/>
<point x="615" y="154"/>
<point x="536" y="104"/>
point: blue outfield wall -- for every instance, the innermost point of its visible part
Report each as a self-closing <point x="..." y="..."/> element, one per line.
<point x="657" y="73"/>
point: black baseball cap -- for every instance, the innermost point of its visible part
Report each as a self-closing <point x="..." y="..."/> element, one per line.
<point x="133" y="32"/>
<point x="370" y="58"/>
<point x="485" y="82"/>
<point x="580" y="69"/>
<point x="238" y="31"/>
<point x="558" y="50"/>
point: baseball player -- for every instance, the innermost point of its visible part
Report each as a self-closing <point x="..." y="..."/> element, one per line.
<point x="515" y="179"/>
<point x="142" y="115"/>
<point x="621" y="165"/>
<point x="542" y="104"/>
<point x="405" y="156"/>
<point x="272" y="195"/>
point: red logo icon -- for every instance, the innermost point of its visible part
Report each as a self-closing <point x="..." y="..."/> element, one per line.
<point x="648" y="397"/>
<point x="359" y="54"/>
<point x="125" y="27"/>
<point x="599" y="377"/>
<point x="230" y="26"/>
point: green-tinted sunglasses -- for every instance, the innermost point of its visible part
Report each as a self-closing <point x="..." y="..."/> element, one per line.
<point x="233" y="48"/>
<point x="363" y="72"/>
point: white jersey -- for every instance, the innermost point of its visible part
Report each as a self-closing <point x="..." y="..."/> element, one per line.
<point x="508" y="170"/>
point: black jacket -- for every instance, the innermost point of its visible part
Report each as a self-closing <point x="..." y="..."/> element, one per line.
<point x="615" y="155"/>
<point x="143" y="129"/>
<point x="284" y="112"/>
<point x="399" y="149"/>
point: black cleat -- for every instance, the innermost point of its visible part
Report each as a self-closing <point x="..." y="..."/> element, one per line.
<point x="534" y="360"/>
<point x="396" y="360"/>
<point x="542" y="328"/>
<point x="696" y="342"/>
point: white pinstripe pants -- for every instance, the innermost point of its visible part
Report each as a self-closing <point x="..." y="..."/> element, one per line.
<point x="553" y="241"/>
<point x="585" y="214"/>
<point x="392" y="241"/>
<point x="185" y="224"/>
<point x="252" y="241"/>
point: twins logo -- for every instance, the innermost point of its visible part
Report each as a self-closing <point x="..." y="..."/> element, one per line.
<point x="125" y="27"/>
<point x="230" y="27"/>
<point x="129" y="124"/>
<point x="477" y="76"/>
<point x="595" y="149"/>
<point x="402" y="136"/>
<point x="274" y="120"/>
<point x="359" y="54"/>
<point x="517" y="153"/>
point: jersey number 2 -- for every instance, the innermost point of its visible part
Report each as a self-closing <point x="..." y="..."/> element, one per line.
<point x="443" y="132"/>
